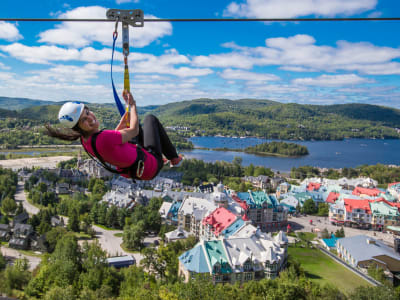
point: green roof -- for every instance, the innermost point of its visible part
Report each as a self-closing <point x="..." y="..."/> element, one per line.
<point x="261" y="197"/>
<point x="216" y="254"/>
<point x="384" y="209"/>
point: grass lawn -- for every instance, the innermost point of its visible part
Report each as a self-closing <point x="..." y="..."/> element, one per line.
<point x="322" y="269"/>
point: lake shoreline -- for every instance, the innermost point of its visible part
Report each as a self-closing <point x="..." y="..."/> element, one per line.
<point x="248" y="152"/>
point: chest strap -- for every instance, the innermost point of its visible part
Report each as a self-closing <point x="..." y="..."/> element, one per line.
<point x="135" y="170"/>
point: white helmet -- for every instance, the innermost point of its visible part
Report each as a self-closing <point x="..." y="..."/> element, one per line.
<point x="70" y="113"/>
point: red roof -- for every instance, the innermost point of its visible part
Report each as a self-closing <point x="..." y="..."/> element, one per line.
<point x="242" y="203"/>
<point x="313" y="186"/>
<point x="393" y="183"/>
<point x="351" y="204"/>
<point x="332" y="197"/>
<point x="245" y="218"/>
<point x="366" y="191"/>
<point x="219" y="219"/>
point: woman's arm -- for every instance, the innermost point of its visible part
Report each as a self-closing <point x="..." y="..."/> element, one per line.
<point x="123" y="121"/>
<point x="133" y="130"/>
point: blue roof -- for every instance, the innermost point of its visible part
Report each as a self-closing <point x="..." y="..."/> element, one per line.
<point x="194" y="260"/>
<point x="331" y="243"/>
<point x="231" y="229"/>
<point x="174" y="210"/>
<point x="245" y="196"/>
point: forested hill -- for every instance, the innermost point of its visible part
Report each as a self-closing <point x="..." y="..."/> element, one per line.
<point x="21" y="103"/>
<point x="270" y="119"/>
<point x="245" y="117"/>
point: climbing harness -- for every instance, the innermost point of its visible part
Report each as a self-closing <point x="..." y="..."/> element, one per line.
<point x="134" y="18"/>
<point x="135" y="170"/>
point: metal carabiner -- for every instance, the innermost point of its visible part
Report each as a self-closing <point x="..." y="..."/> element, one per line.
<point x="140" y="169"/>
<point x="115" y="34"/>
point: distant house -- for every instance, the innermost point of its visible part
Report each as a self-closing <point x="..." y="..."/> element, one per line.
<point x="21" y="218"/>
<point x="177" y="234"/>
<point x="362" y="251"/>
<point x="62" y="188"/>
<point x="56" y="221"/>
<point x="121" y="261"/>
<point x="206" y="188"/>
<point x="21" y="236"/>
<point x="5" y="232"/>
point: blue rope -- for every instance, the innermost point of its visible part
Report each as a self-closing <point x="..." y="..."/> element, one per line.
<point x="121" y="108"/>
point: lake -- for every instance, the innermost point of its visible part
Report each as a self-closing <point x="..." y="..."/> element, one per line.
<point x="324" y="154"/>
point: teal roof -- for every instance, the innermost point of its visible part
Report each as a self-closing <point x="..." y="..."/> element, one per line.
<point x="216" y="254"/>
<point x="259" y="198"/>
<point x="382" y="208"/>
<point x="303" y="196"/>
<point x="331" y="243"/>
<point x="195" y="260"/>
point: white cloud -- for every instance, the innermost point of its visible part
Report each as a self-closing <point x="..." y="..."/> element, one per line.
<point x="4" y="67"/>
<point x="301" y="53"/>
<point x="248" y="76"/>
<point x="45" y="54"/>
<point x="332" y="80"/>
<point x="82" y="34"/>
<point x="296" y="8"/>
<point x="9" y="32"/>
<point x="225" y="60"/>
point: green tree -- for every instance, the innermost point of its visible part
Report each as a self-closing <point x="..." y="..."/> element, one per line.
<point x="73" y="221"/>
<point x="3" y="262"/>
<point x="133" y="236"/>
<point x="60" y="293"/>
<point x="16" y="276"/>
<point x="309" y="207"/>
<point x="323" y="209"/>
<point x="8" y="205"/>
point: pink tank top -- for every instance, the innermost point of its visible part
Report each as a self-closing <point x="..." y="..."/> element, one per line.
<point x="109" y="145"/>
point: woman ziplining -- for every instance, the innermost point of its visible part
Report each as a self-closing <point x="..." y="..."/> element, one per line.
<point x="141" y="161"/>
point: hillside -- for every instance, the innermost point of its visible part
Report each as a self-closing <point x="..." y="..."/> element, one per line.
<point x="245" y="117"/>
<point x="21" y="103"/>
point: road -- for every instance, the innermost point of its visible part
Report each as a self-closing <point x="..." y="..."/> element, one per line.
<point x="112" y="244"/>
<point x="303" y="224"/>
<point x="20" y="196"/>
<point x="12" y="254"/>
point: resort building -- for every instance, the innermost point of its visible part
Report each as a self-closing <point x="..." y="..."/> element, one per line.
<point x="362" y="252"/>
<point x="263" y="210"/>
<point x="236" y="259"/>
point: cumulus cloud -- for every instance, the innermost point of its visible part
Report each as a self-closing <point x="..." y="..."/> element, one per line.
<point x="300" y="53"/>
<point x="9" y="32"/>
<point x="231" y="74"/>
<point x="332" y="80"/>
<point x="46" y="54"/>
<point x="83" y="34"/>
<point x="295" y="8"/>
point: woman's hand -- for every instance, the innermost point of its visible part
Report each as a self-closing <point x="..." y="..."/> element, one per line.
<point x="128" y="98"/>
<point x="123" y="122"/>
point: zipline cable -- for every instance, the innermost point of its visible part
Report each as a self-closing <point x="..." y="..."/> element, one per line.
<point x="207" y="20"/>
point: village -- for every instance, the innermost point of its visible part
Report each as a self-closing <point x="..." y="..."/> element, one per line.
<point x="242" y="236"/>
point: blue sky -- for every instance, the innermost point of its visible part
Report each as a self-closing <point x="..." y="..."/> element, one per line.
<point x="303" y="62"/>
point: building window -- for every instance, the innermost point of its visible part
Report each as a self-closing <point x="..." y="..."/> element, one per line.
<point x="247" y="266"/>
<point x="248" y="276"/>
<point x="239" y="277"/>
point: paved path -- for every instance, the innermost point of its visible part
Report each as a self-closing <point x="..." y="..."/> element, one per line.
<point x="20" y="196"/>
<point x="112" y="244"/>
<point x="303" y="224"/>
<point x="12" y="254"/>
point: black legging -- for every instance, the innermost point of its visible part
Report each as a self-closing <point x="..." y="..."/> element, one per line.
<point x="154" y="138"/>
